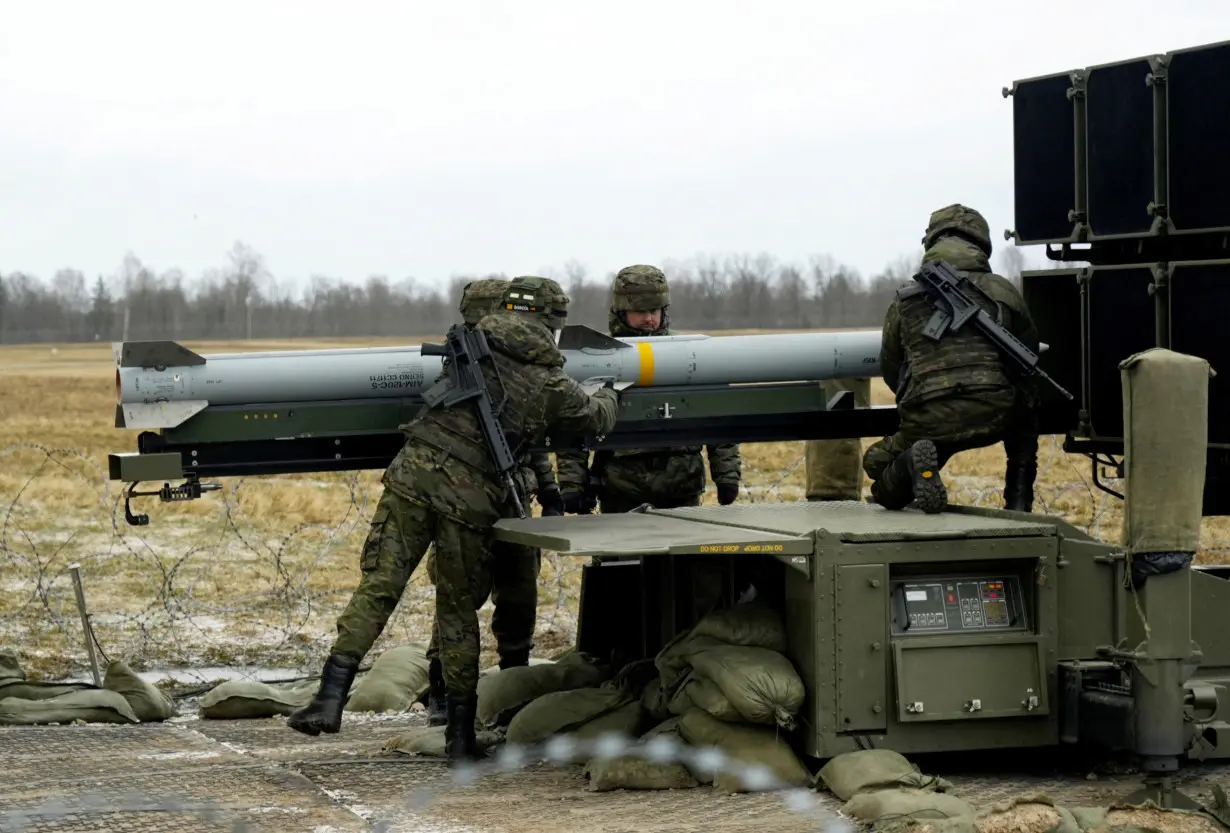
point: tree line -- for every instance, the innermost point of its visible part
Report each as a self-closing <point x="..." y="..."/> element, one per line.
<point x="243" y="300"/>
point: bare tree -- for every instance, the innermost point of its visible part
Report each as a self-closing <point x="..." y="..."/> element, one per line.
<point x="708" y="292"/>
<point x="1011" y="263"/>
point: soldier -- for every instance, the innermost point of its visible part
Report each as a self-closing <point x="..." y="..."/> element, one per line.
<point x="833" y="469"/>
<point x="441" y="488"/>
<point x="514" y="568"/>
<point x="957" y="393"/>
<point x="620" y="481"/>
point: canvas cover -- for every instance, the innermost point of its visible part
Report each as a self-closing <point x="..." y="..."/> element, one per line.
<point x="1165" y="418"/>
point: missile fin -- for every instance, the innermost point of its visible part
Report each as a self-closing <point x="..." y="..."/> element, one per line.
<point x="157" y="354"/>
<point x="580" y="337"/>
<point x="157" y="414"/>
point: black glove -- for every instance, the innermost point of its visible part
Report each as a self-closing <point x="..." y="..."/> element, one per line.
<point x="578" y="503"/>
<point x="727" y="493"/>
<point x="551" y="501"/>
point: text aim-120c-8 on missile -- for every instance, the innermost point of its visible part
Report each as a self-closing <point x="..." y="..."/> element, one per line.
<point x="161" y="384"/>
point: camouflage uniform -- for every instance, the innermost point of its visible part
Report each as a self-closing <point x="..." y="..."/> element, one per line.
<point x="514" y="568"/>
<point x="441" y="489"/>
<point x="958" y="393"/>
<point x="619" y="481"/>
<point x="834" y="468"/>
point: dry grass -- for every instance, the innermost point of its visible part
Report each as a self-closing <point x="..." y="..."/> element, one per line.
<point x="256" y="574"/>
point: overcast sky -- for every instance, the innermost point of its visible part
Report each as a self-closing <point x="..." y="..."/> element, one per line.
<point x="458" y="136"/>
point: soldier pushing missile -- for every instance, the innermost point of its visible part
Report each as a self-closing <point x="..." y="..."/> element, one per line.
<point x="958" y="392"/>
<point x="446" y="487"/>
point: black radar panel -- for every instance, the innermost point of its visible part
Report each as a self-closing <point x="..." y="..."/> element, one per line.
<point x="965" y="604"/>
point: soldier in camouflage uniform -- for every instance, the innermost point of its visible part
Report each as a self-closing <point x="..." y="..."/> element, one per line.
<point x="514" y="568"/>
<point x="441" y="488"/>
<point x="619" y="481"/>
<point x="833" y="469"/>
<point x="957" y="393"/>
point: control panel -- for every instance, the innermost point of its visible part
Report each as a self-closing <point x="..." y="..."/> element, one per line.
<point x="959" y="604"/>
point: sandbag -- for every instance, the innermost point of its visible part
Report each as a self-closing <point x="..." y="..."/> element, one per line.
<point x="751" y="624"/>
<point x="633" y="772"/>
<point x="905" y="802"/>
<point x="1029" y="814"/>
<point x="148" y="703"/>
<point x="10" y="667"/>
<point x="429" y="741"/>
<point x="502" y="695"/>
<point x="397" y="678"/>
<point x="675" y="660"/>
<point x="744" y="746"/>
<point x="635" y="677"/>
<point x="1154" y="819"/>
<point x="94" y="706"/>
<point x="762" y="685"/>
<point x="495" y="669"/>
<point x="38" y="690"/>
<point x="653" y="701"/>
<point x="701" y="693"/>
<point x="625" y="721"/>
<point x="871" y="769"/>
<point x="563" y="711"/>
<point x="1089" y="818"/>
<point x="1164" y="449"/>
<point x="638" y="769"/>
<point x="247" y="699"/>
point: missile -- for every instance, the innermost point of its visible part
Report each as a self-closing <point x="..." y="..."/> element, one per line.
<point x="161" y="384"/>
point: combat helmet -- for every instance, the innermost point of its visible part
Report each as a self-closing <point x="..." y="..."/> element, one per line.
<point x="639" y="288"/>
<point x="540" y="298"/>
<point x="481" y="297"/>
<point x="960" y="221"/>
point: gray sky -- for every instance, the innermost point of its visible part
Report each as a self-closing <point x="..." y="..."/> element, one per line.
<point x="430" y="138"/>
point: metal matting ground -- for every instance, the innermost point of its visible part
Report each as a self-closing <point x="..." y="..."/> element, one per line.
<point x="204" y="775"/>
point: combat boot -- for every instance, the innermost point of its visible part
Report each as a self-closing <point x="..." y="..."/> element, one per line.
<point x="1019" y="486"/>
<point x="922" y="465"/>
<point x="460" y="742"/>
<point x="437" y="708"/>
<point x="324" y="713"/>
<point x="514" y="659"/>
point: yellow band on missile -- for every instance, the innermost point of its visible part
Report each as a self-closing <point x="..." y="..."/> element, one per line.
<point x="645" y="350"/>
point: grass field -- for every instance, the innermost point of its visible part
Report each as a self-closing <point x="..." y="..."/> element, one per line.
<point x="255" y="574"/>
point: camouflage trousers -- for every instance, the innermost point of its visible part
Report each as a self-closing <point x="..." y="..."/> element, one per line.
<point x="955" y="424"/>
<point x="514" y="595"/>
<point x="834" y="469"/>
<point x="399" y="537"/>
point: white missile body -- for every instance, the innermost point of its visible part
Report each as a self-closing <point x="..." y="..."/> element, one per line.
<point x="161" y="384"/>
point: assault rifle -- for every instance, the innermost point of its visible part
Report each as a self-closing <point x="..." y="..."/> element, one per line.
<point x="943" y="285"/>
<point x="463" y="349"/>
